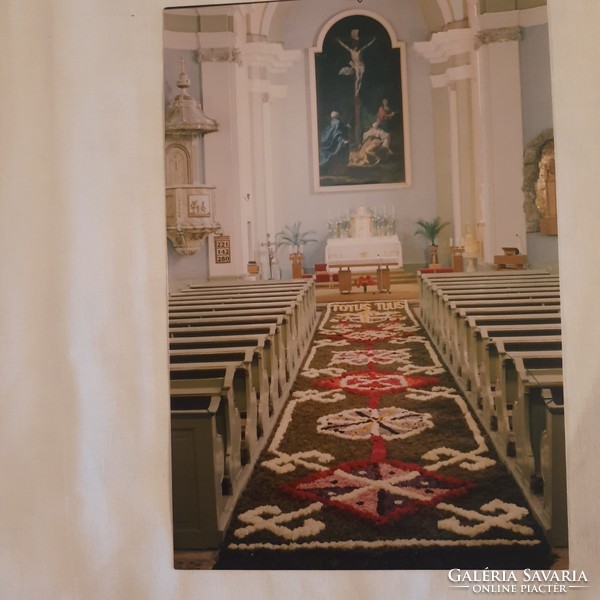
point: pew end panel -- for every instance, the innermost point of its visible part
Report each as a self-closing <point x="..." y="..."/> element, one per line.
<point x="200" y="515"/>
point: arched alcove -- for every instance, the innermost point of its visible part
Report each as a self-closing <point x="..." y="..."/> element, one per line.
<point x="531" y="172"/>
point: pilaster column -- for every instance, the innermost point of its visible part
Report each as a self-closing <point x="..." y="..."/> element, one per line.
<point x="499" y="139"/>
<point x="265" y="63"/>
<point x="223" y="82"/>
<point x="454" y="141"/>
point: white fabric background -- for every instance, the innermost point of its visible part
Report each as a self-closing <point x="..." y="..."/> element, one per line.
<point x="84" y="422"/>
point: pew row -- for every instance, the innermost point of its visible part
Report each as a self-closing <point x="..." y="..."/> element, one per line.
<point x="244" y="344"/>
<point x="500" y="336"/>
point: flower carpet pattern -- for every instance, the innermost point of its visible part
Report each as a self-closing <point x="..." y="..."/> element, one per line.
<point x="378" y="463"/>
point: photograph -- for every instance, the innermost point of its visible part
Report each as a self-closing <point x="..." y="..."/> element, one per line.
<point x="298" y="300"/>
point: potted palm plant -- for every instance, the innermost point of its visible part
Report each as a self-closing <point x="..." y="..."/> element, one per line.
<point x="296" y="239"/>
<point x="430" y="230"/>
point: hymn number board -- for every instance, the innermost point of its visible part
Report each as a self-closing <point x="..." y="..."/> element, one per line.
<point x="222" y="249"/>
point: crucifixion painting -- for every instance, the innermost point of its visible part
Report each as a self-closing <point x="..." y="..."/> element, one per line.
<point x="360" y="106"/>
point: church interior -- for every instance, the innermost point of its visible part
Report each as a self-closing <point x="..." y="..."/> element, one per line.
<point x="391" y="125"/>
<point x="225" y="197"/>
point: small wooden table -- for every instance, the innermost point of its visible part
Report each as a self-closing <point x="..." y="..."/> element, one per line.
<point x="345" y="274"/>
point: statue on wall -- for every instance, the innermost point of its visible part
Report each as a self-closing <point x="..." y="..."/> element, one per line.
<point x="545" y="199"/>
<point x="533" y="163"/>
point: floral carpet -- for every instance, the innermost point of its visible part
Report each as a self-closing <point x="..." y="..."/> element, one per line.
<point x="378" y="463"/>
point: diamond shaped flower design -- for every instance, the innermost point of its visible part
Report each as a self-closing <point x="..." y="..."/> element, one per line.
<point x="388" y="422"/>
<point x="378" y="491"/>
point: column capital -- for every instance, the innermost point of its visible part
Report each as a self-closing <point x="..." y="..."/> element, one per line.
<point x="225" y="54"/>
<point x="501" y="34"/>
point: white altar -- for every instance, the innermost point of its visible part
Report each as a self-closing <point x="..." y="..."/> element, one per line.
<point x="367" y="250"/>
<point x="363" y="237"/>
<point x="362" y="251"/>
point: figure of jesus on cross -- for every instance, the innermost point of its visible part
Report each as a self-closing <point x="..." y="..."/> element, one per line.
<point x="357" y="66"/>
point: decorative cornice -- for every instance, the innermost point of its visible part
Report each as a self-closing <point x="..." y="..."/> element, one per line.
<point x="493" y="36"/>
<point x="219" y="55"/>
<point x="445" y="44"/>
<point x="451" y="76"/>
<point x="270" y="56"/>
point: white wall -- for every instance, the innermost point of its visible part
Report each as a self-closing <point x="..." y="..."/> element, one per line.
<point x="84" y="419"/>
<point x="535" y="81"/>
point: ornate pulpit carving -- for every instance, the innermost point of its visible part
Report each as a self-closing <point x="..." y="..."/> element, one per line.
<point x="190" y="203"/>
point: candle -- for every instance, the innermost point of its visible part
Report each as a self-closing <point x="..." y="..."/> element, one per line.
<point x="451" y="244"/>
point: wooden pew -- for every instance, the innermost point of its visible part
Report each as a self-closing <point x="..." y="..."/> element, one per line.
<point x="511" y="375"/>
<point x="439" y="295"/>
<point x="299" y="325"/>
<point x="442" y="314"/>
<point x="468" y="351"/>
<point x="306" y="287"/>
<point x="480" y="336"/>
<point x="243" y="393"/>
<point x="450" y="335"/>
<point x="432" y="288"/>
<point x="538" y="422"/>
<point x="497" y="351"/>
<point x="262" y="343"/>
<point x="456" y="335"/>
<point x="454" y="310"/>
<point x="251" y="343"/>
<point x="190" y="394"/>
<point x="430" y="284"/>
<point x="292" y="304"/>
<point x="511" y="369"/>
<point x="299" y="300"/>
<point x="201" y="505"/>
<point x="250" y="357"/>
<point x="289" y="347"/>
<point x="238" y="330"/>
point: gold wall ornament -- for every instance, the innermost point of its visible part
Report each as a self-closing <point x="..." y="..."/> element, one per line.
<point x="227" y="54"/>
<point x="495" y="36"/>
<point x="545" y="199"/>
<point x="532" y="158"/>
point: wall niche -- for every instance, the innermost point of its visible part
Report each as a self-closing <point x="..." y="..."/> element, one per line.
<point x="539" y="185"/>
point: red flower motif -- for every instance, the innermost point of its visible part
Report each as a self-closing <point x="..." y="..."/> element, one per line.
<point x="369" y="383"/>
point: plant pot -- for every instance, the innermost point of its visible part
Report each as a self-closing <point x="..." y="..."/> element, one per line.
<point x="433" y="254"/>
<point x="296" y="259"/>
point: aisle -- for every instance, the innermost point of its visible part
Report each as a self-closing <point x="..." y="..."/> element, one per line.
<point x="378" y="463"/>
